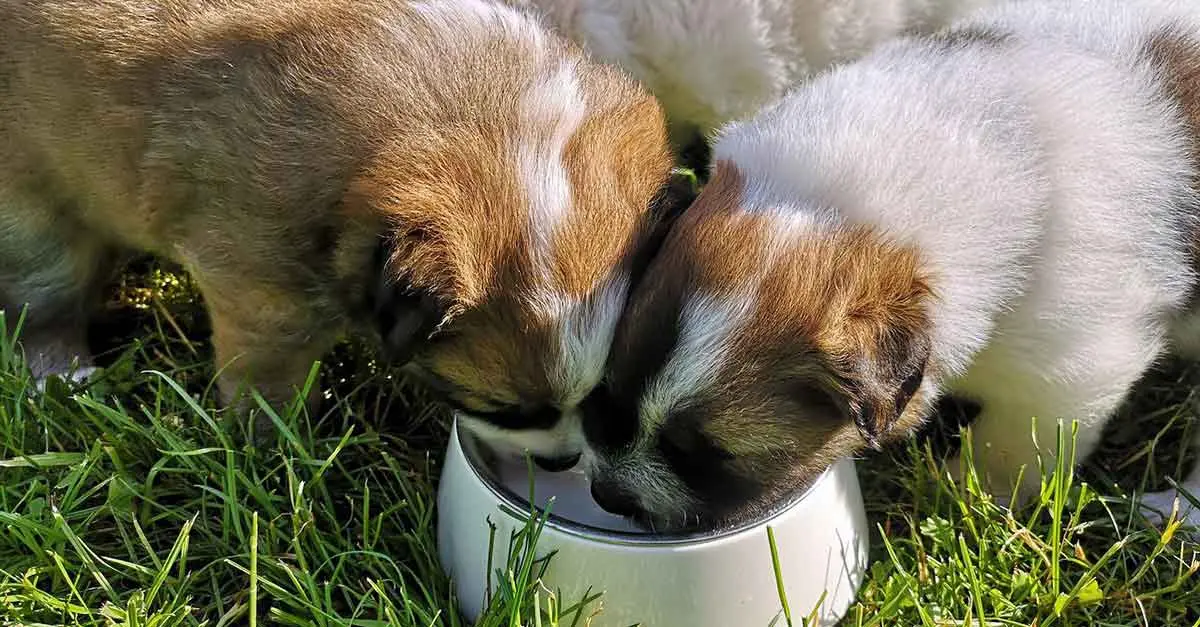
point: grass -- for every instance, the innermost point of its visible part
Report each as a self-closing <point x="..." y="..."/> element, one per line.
<point x="131" y="502"/>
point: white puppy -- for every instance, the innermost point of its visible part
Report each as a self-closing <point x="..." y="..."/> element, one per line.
<point x="713" y="61"/>
<point x="1006" y="211"/>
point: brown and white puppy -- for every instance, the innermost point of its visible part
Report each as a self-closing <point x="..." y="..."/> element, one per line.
<point x="446" y="169"/>
<point x="1007" y="211"/>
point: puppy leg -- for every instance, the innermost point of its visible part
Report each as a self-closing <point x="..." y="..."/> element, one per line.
<point x="1015" y="438"/>
<point x="1158" y="505"/>
<point x="52" y="268"/>
<point x="1082" y="375"/>
<point x="264" y="336"/>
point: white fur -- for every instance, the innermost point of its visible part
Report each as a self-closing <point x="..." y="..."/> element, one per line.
<point x="482" y="15"/>
<point x="585" y="339"/>
<point x="565" y="438"/>
<point x="707" y="323"/>
<point x="551" y="111"/>
<point x="713" y="61"/>
<point x="585" y="332"/>
<point x="1041" y="179"/>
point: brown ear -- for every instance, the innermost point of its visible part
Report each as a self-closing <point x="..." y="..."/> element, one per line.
<point x="881" y="384"/>
<point x="410" y="281"/>
<point x="875" y="333"/>
<point x="405" y="316"/>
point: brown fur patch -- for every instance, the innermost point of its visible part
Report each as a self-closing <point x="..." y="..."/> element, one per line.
<point x="615" y="162"/>
<point x="498" y="348"/>
<point x="1177" y="56"/>
<point x="501" y="350"/>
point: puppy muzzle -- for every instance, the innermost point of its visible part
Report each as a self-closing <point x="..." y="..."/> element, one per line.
<point x="615" y="500"/>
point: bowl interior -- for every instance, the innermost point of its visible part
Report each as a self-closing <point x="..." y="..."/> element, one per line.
<point x="573" y="511"/>
<point x="518" y="484"/>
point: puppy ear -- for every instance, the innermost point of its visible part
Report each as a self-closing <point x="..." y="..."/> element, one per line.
<point x="404" y="315"/>
<point x="880" y="386"/>
<point x="673" y="198"/>
<point x="875" y="334"/>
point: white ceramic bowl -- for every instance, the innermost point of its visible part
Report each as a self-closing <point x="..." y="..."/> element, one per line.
<point x="720" y="579"/>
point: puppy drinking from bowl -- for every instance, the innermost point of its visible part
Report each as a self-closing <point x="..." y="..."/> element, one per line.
<point x="445" y="172"/>
<point x="1006" y="211"/>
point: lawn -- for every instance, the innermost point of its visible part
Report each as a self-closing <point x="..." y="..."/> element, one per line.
<point x="132" y="502"/>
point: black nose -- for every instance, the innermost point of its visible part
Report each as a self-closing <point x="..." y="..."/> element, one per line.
<point x="614" y="500"/>
<point x="557" y="464"/>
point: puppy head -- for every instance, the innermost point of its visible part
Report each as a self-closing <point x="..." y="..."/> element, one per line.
<point x="762" y="346"/>
<point x="512" y="227"/>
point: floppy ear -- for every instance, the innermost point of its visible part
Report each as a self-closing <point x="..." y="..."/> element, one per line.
<point x="675" y="196"/>
<point x="874" y="333"/>
<point x="881" y="384"/>
<point x="404" y="315"/>
<point x="873" y="327"/>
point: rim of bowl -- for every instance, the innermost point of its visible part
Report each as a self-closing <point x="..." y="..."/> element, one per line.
<point x="519" y="507"/>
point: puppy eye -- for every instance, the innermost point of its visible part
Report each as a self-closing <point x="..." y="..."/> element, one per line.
<point x="441" y="337"/>
<point x="672" y="447"/>
<point x="684" y="459"/>
<point x="460" y="400"/>
<point x="458" y="405"/>
<point x="688" y="447"/>
<point x="515" y="418"/>
<point x="438" y="384"/>
<point x="492" y="407"/>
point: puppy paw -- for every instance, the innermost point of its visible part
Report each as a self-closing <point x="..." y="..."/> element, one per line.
<point x="1157" y="506"/>
<point x="57" y="356"/>
<point x="74" y="377"/>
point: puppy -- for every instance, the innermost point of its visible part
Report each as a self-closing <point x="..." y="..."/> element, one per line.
<point x="447" y="173"/>
<point x="715" y="61"/>
<point x="1006" y="211"/>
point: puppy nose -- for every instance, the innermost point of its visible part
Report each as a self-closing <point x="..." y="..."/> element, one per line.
<point x="614" y="500"/>
<point x="557" y="464"/>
